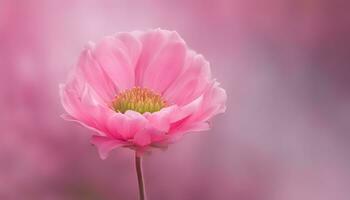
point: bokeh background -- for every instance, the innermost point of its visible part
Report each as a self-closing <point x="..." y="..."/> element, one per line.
<point x="285" y="65"/>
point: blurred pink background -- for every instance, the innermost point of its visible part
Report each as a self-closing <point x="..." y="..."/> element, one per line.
<point x="285" y="136"/>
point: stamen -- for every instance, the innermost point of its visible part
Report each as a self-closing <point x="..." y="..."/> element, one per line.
<point x="138" y="99"/>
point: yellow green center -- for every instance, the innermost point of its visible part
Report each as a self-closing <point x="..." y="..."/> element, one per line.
<point x="138" y="99"/>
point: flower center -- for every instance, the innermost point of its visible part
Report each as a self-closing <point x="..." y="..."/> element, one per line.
<point x="138" y="99"/>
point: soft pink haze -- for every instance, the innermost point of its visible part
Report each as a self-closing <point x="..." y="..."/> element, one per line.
<point x="284" y="135"/>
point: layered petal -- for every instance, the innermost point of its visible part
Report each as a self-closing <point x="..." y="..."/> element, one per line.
<point x="126" y="125"/>
<point x="213" y="102"/>
<point x="93" y="74"/>
<point x="192" y="82"/>
<point x="161" y="120"/>
<point x="162" y="59"/>
<point x="71" y="97"/>
<point x="79" y="101"/>
<point x="105" y="145"/>
<point x="117" y="57"/>
<point x="197" y="113"/>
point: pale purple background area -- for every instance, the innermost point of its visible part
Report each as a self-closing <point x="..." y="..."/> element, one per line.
<point x="284" y="64"/>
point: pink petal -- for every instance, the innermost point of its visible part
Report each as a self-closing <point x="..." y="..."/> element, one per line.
<point x="152" y="42"/>
<point x="105" y="145"/>
<point x="126" y="125"/>
<point x="79" y="109"/>
<point x="131" y="46"/>
<point x="112" y="54"/>
<point x="183" y="113"/>
<point x="195" y="127"/>
<point x="198" y="112"/>
<point x="142" y="138"/>
<point x="95" y="76"/>
<point x="161" y="120"/>
<point x="165" y="67"/>
<point x="71" y="103"/>
<point x="190" y="84"/>
<point x="187" y="128"/>
<point x="91" y="127"/>
<point x="214" y="102"/>
<point x="78" y="98"/>
<point x="161" y="61"/>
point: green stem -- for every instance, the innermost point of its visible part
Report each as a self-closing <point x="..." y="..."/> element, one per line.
<point x="138" y="163"/>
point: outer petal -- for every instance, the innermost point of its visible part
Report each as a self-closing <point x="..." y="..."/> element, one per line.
<point x="212" y="102"/>
<point x="166" y="67"/>
<point x="105" y="145"/>
<point x="194" y="127"/>
<point x="80" y="105"/>
<point x="152" y="42"/>
<point x="192" y="82"/>
<point x="131" y="46"/>
<point x="162" y="59"/>
<point x="117" y="56"/>
<point x="71" y="101"/>
<point x="97" y="79"/>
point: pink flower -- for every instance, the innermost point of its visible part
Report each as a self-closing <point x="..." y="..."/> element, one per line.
<point x="141" y="90"/>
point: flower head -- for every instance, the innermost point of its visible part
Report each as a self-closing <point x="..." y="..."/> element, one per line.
<point x="141" y="90"/>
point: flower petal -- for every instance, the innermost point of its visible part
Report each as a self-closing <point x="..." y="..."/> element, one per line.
<point x="161" y="120"/>
<point x="95" y="76"/>
<point x="105" y="145"/>
<point x="212" y="102"/>
<point x="166" y="67"/>
<point x="152" y="42"/>
<point x="142" y="138"/>
<point x="130" y="45"/>
<point x="161" y="61"/>
<point x="126" y="125"/>
<point x="72" y="104"/>
<point x="191" y="83"/>
<point x="114" y="58"/>
<point x="80" y="109"/>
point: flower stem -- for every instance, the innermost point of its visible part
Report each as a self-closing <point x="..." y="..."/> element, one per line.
<point x="141" y="183"/>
